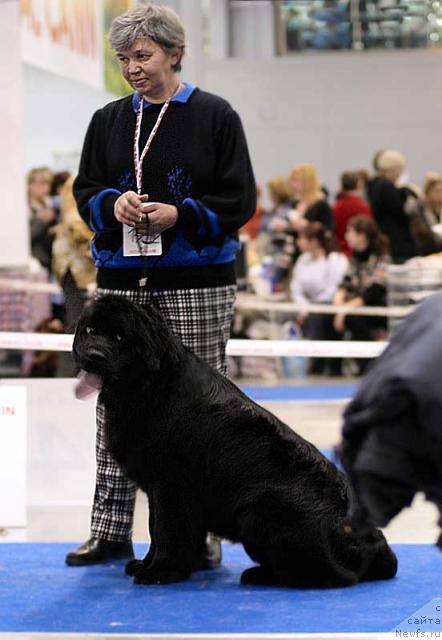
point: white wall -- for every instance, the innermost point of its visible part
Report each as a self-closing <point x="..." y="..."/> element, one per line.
<point x="57" y="112"/>
<point x="14" y="247"/>
<point x="336" y="109"/>
<point x="332" y="109"/>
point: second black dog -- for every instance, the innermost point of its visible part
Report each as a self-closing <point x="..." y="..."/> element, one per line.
<point x="210" y="459"/>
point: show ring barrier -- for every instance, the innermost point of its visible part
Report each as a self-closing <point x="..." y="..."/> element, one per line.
<point x="244" y="302"/>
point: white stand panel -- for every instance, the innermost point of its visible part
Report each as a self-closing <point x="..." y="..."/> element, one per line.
<point x="12" y="456"/>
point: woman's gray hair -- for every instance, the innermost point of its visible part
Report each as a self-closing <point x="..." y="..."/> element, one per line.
<point x="160" y="24"/>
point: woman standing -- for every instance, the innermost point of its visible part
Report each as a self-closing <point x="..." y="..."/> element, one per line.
<point x="42" y="215"/>
<point x="165" y="182"/>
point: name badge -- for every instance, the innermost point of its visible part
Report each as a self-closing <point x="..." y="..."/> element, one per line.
<point x="137" y="244"/>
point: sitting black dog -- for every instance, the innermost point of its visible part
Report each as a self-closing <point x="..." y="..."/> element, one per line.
<point x="392" y="433"/>
<point x="210" y="459"/>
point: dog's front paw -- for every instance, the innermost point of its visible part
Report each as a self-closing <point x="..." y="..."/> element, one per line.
<point x="133" y="567"/>
<point x="150" y="575"/>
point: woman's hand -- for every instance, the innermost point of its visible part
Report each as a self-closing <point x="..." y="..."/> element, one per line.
<point x="339" y="322"/>
<point x="158" y="217"/>
<point x="127" y="209"/>
<point x="300" y="319"/>
<point x="297" y="220"/>
<point x="46" y="214"/>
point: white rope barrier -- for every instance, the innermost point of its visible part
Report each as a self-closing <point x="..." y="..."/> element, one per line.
<point x="244" y="301"/>
<point x="33" y="287"/>
<point x="36" y="341"/>
<point x="265" y="348"/>
<point x="306" y="348"/>
<point x="252" y="303"/>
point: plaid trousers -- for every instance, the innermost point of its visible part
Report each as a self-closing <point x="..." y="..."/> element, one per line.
<point x="202" y="319"/>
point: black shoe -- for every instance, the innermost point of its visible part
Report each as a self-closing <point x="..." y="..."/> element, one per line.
<point x="96" y="551"/>
<point x="213" y="555"/>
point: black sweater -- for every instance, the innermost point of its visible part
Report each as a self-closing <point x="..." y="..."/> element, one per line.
<point x="387" y="202"/>
<point x="198" y="161"/>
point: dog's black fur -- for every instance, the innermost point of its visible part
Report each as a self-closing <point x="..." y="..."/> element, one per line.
<point x="210" y="459"/>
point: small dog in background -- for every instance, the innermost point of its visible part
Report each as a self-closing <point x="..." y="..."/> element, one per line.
<point x="45" y="363"/>
<point x="210" y="459"/>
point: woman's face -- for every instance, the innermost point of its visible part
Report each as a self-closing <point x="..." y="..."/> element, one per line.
<point x="306" y="244"/>
<point x="435" y="195"/>
<point x="39" y="188"/>
<point x="297" y="184"/>
<point x="147" y="67"/>
<point x="356" y="241"/>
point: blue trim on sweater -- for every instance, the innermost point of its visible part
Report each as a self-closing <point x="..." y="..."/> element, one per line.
<point x="96" y="219"/>
<point x="212" y="218"/>
<point x="180" y="254"/>
<point x="182" y="96"/>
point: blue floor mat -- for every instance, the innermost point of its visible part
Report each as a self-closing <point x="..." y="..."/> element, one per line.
<point x="39" y="593"/>
<point x="300" y="392"/>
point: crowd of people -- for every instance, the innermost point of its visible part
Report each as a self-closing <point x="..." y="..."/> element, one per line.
<point x="60" y="242"/>
<point x="307" y="247"/>
<point x="315" y="251"/>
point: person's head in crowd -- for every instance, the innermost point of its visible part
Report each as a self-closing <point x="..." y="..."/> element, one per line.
<point x="364" y="177"/>
<point x="304" y="181"/>
<point x="433" y="193"/>
<point x="363" y="235"/>
<point x="58" y="181"/>
<point x="430" y="176"/>
<point x="351" y="182"/>
<point x="279" y="191"/>
<point x="375" y="160"/>
<point x="39" y="181"/>
<point x="316" y="239"/>
<point x="391" y="165"/>
<point x="154" y="36"/>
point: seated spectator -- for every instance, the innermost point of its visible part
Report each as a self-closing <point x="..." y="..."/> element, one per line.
<point x="253" y="226"/>
<point x="349" y="203"/>
<point x="312" y="205"/>
<point x="58" y="180"/>
<point x="279" y="242"/>
<point x="426" y="219"/>
<point x="388" y="203"/>
<point x="72" y="262"/>
<point x="364" y="284"/>
<point x="433" y="202"/>
<point x="316" y="276"/>
<point x="42" y="218"/>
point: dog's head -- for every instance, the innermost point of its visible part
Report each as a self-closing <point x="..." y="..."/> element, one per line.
<point x="118" y="342"/>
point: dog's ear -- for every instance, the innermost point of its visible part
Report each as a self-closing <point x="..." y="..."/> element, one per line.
<point x="155" y="340"/>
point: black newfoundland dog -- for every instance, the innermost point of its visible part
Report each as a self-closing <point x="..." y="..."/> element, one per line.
<point x="210" y="459"/>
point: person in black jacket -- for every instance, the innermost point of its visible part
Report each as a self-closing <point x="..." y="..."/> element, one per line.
<point x="388" y="203"/>
<point x="165" y="181"/>
<point x="392" y="434"/>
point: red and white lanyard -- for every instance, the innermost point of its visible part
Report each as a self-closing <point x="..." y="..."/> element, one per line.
<point x="138" y="160"/>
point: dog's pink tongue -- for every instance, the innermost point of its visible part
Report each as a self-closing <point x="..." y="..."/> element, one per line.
<point x="87" y="383"/>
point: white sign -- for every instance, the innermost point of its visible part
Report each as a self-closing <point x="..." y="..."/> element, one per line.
<point x="65" y="37"/>
<point x="12" y="456"/>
